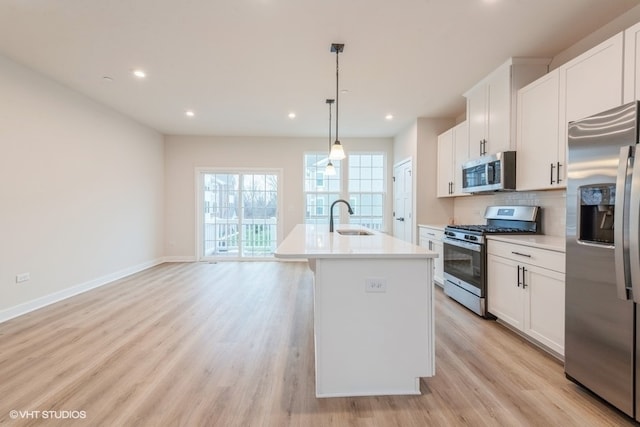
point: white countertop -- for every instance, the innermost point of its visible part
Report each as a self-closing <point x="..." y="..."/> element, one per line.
<point x="315" y="241"/>
<point x="541" y="241"/>
<point x="436" y="226"/>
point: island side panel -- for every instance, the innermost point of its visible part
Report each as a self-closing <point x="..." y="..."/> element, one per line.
<point x="373" y="343"/>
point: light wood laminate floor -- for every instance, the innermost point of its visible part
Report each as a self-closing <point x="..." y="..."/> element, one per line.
<point x="231" y="344"/>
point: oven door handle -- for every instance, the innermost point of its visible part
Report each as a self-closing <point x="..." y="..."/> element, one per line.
<point x="476" y="247"/>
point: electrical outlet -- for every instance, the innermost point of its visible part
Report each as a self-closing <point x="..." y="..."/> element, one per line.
<point x="375" y="284"/>
<point x="22" y="277"/>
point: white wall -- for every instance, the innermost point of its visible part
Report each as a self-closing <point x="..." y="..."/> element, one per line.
<point x="81" y="189"/>
<point x="431" y="209"/>
<point x="405" y="144"/>
<point x="186" y="153"/>
<point x="419" y="142"/>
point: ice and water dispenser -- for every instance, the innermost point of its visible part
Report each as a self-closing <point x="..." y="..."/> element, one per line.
<point x="597" y="211"/>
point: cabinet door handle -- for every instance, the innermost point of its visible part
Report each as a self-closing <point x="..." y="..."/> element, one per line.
<point x="430" y="245"/>
<point x="552" y="168"/>
<point x="518" y="276"/>
<point x="524" y="282"/>
<point x="521" y="254"/>
<point x="558" y="172"/>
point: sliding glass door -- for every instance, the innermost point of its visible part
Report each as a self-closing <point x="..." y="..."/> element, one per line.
<point x="238" y="214"/>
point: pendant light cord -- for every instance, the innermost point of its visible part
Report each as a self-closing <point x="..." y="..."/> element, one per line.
<point x="337" y="92"/>
<point x="329" y="163"/>
<point x="329" y="101"/>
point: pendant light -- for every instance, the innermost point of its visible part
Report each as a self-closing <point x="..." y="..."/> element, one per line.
<point x="337" y="152"/>
<point x="330" y="169"/>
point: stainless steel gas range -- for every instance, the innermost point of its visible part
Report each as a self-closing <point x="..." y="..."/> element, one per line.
<point x="465" y="254"/>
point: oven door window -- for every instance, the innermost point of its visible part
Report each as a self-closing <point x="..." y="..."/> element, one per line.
<point x="463" y="263"/>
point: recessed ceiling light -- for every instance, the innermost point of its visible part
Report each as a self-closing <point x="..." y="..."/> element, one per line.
<point x="189" y="113"/>
<point x="140" y="74"/>
<point x="389" y="117"/>
<point x="107" y="79"/>
<point x="344" y="91"/>
<point x="292" y="115"/>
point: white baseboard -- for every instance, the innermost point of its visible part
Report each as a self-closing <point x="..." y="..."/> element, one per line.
<point x="179" y="259"/>
<point x="46" y="300"/>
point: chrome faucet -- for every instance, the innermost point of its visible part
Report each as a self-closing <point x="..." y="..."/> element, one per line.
<point x="331" y="212"/>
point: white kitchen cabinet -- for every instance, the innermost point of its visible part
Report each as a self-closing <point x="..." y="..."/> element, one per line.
<point x="430" y="237"/>
<point x="592" y="82"/>
<point x="444" y="173"/>
<point x="491" y="105"/>
<point x="526" y="291"/>
<point x="632" y="64"/>
<point x="504" y="297"/>
<point x="544" y="312"/>
<point x="586" y="85"/>
<point x="453" y="151"/>
<point x="541" y="150"/>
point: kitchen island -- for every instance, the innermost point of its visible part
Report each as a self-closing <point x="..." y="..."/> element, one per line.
<point x="373" y="309"/>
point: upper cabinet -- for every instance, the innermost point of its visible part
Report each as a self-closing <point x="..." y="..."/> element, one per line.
<point x="632" y="64"/>
<point x="586" y="85"/>
<point x="592" y="82"/>
<point x="453" y="151"/>
<point x="491" y="105"/>
<point x="540" y="149"/>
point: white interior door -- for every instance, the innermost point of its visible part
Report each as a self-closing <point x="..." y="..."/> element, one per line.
<point x="403" y="201"/>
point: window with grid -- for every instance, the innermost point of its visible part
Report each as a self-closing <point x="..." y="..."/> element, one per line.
<point x="366" y="189"/>
<point x="320" y="190"/>
<point x="364" y="174"/>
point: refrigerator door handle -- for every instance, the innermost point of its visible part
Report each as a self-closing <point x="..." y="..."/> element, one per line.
<point x="634" y="229"/>
<point x="619" y="221"/>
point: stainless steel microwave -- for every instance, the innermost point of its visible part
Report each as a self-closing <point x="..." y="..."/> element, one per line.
<point x="496" y="172"/>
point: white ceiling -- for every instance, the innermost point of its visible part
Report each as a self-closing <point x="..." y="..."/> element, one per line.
<point x="243" y="65"/>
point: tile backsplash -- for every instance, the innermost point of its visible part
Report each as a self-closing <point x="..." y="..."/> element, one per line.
<point x="470" y="209"/>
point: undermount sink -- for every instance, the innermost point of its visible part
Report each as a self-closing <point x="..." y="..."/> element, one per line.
<point x="354" y="232"/>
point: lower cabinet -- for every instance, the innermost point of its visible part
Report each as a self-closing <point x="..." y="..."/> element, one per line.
<point x="431" y="238"/>
<point x="526" y="291"/>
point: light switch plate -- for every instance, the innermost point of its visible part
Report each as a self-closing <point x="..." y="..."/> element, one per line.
<point x="22" y="277"/>
<point x="375" y="284"/>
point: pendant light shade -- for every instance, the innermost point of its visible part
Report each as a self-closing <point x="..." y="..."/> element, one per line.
<point x="330" y="169"/>
<point x="337" y="152"/>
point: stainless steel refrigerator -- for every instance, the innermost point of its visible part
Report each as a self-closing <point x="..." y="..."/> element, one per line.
<point x="603" y="257"/>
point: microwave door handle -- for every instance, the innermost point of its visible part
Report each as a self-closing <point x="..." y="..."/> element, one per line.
<point x="634" y="229"/>
<point x="619" y="229"/>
